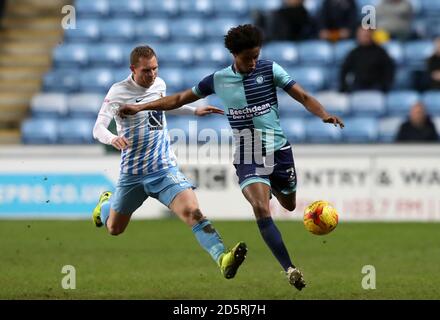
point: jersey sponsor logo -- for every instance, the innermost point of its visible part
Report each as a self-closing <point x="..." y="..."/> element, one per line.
<point x="249" y="112"/>
<point x="259" y="80"/>
<point x="155" y="120"/>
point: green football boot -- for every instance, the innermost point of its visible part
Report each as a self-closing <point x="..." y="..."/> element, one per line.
<point x="105" y="196"/>
<point x="230" y="261"/>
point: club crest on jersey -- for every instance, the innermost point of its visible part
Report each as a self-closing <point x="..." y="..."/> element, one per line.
<point x="259" y="80"/>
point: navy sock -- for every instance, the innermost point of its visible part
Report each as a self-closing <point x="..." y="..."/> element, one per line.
<point x="274" y="241"/>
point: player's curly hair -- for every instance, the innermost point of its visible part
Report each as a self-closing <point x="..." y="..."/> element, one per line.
<point x="141" y="51"/>
<point x="243" y="37"/>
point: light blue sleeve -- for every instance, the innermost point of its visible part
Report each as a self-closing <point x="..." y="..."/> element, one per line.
<point x="281" y="78"/>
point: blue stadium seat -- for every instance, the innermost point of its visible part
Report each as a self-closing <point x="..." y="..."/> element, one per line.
<point x="388" y="128"/>
<point x="120" y="74"/>
<point x="284" y="53"/>
<point x="92" y="9"/>
<point x="175" y="54"/>
<point x="127" y="8"/>
<point x="87" y="30"/>
<point x="431" y="100"/>
<point x="153" y="29"/>
<point x="76" y="131"/>
<point x="96" y="80"/>
<point x="341" y="49"/>
<point x="310" y="78"/>
<point x="315" y="52"/>
<point x="434" y="27"/>
<point x="231" y="8"/>
<point x="70" y="55"/>
<point x="431" y="8"/>
<point x="289" y="107"/>
<point x="264" y="4"/>
<point x="395" y="51"/>
<point x="49" y="105"/>
<point x="334" y="102"/>
<point x="362" y="3"/>
<point x="217" y="28"/>
<point x="416" y="7"/>
<point x="368" y="103"/>
<point x="117" y="30"/>
<point x="196" y="8"/>
<point x="403" y="79"/>
<point x="320" y="132"/>
<point x="61" y="80"/>
<point x="313" y="6"/>
<point x="212" y="55"/>
<point x="294" y="129"/>
<point x="416" y="52"/>
<point x="39" y="131"/>
<point x="107" y="54"/>
<point x="399" y="102"/>
<point x="187" y="29"/>
<point x="193" y="76"/>
<point x="161" y="8"/>
<point x="173" y="78"/>
<point x="360" y="130"/>
<point x="84" y="105"/>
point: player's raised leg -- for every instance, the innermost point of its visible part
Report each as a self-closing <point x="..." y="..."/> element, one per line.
<point x="186" y="207"/>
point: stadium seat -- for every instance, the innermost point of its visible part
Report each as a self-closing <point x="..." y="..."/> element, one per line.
<point x="315" y="52"/>
<point x="39" y="131"/>
<point x="416" y="52"/>
<point x="76" y="131"/>
<point x="106" y="55"/>
<point x="400" y="102"/>
<point x="87" y="30"/>
<point x="313" y="6"/>
<point x="120" y="74"/>
<point x="264" y="4"/>
<point x="434" y="27"/>
<point x="311" y="78"/>
<point x="362" y="3"/>
<point x="341" y="49"/>
<point x="284" y="53"/>
<point x="212" y="55"/>
<point x="216" y="29"/>
<point x="61" y="80"/>
<point x="403" y="79"/>
<point x="117" y="30"/>
<point x="360" y="130"/>
<point x="92" y="9"/>
<point x="195" y="75"/>
<point x="294" y="129"/>
<point x="431" y="8"/>
<point x="84" y="105"/>
<point x="187" y="29"/>
<point x="96" y="80"/>
<point x="431" y="100"/>
<point x="368" y="103"/>
<point x="289" y="107"/>
<point x="320" y="132"/>
<point x="196" y="8"/>
<point x="416" y="7"/>
<point x="49" y="105"/>
<point x="70" y="55"/>
<point x="334" y="102"/>
<point x="126" y="9"/>
<point x="388" y="128"/>
<point x="175" y="54"/>
<point x="153" y="29"/>
<point x="173" y="78"/>
<point x="231" y="8"/>
<point x="161" y="8"/>
<point x="395" y="51"/>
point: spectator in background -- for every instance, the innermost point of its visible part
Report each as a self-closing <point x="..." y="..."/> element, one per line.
<point x="338" y="19"/>
<point x="2" y="10"/>
<point x="368" y="66"/>
<point x="418" y="128"/>
<point x="395" y="17"/>
<point x="291" y="22"/>
<point x="434" y="67"/>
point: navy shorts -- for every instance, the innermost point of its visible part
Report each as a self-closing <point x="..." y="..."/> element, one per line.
<point x="277" y="171"/>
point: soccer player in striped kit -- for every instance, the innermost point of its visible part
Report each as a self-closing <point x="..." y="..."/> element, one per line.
<point x="148" y="165"/>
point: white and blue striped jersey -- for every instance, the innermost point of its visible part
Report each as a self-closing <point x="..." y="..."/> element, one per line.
<point x="149" y="144"/>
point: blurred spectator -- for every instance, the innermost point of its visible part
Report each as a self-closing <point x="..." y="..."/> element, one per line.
<point x="2" y="10"/>
<point x="434" y="67"/>
<point x="290" y="22"/>
<point x="338" y="19"/>
<point x="395" y="17"/>
<point x="418" y="128"/>
<point x="368" y="66"/>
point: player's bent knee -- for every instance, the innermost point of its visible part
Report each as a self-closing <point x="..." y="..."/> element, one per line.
<point x="194" y="215"/>
<point x="261" y="209"/>
<point x="290" y="206"/>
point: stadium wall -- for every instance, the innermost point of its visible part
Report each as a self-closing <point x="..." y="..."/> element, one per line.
<point x="364" y="182"/>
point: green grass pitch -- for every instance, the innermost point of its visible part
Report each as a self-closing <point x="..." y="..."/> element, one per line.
<point x="160" y="259"/>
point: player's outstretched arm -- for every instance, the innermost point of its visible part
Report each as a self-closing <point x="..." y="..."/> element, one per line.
<point x="163" y="104"/>
<point x="313" y="105"/>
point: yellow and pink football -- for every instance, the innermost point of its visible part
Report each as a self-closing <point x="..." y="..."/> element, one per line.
<point x="320" y="217"/>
